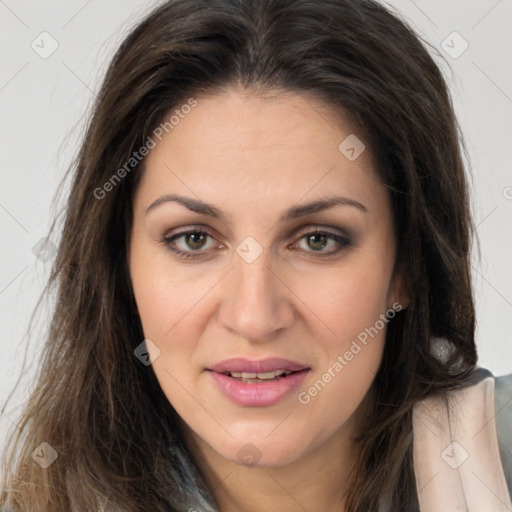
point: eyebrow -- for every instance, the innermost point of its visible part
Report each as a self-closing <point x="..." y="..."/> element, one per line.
<point x="294" y="212"/>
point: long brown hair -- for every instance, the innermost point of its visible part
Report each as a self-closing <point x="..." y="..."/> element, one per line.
<point x="103" y="411"/>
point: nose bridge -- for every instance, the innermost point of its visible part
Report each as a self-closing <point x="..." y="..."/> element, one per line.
<point x="257" y="304"/>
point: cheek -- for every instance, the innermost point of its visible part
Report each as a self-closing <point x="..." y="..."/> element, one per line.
<point x="352" y="358"/>
<point x="347" y="299"/>
<point x="165" y="296"/>
<point x="165" y="304"/>
<point x="351" y="302"/>
<point x="169" y="320"/>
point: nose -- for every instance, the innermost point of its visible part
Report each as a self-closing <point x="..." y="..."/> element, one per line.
<point x="256" y="304"/>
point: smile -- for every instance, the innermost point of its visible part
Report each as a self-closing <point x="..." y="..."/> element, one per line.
<point x="258" y="389"/>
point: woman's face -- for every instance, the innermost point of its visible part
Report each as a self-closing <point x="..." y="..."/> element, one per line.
<point x="254" y="290"/>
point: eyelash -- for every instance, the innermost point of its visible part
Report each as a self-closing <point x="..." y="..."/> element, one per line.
<point x="342" y="240"/>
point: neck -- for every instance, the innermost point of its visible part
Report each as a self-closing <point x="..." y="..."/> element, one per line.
<point x="318" y="481"/>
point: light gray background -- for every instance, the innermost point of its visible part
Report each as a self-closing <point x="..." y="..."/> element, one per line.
<point x="43" y="103"/>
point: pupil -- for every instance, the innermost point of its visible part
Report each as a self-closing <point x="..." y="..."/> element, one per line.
<point x="195" y="238"/>
<point x="315" y="245"/>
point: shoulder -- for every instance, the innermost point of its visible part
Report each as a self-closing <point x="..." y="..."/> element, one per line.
<point x="503" y="416"/>
<point x="474" y="419"/>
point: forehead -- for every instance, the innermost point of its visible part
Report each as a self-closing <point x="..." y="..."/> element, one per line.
<point x="241" y="148"/>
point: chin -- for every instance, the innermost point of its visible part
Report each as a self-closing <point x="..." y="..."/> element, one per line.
<point x="256" y="451"/>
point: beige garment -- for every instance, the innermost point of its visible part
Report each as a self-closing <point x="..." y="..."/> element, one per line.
<point x="456" y="455"/>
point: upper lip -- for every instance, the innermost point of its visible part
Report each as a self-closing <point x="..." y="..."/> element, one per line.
<point x="261" y="366"/>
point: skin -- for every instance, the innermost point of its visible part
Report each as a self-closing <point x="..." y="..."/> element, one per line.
<point x="252" y="158"/>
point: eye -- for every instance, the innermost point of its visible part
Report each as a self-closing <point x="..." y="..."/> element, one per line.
<point x="185" y="243"/>
<point x="318" y="240"/>
<point x="193" y="243"/>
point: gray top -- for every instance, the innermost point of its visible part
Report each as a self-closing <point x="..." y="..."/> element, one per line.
<point x="503" y="412"/>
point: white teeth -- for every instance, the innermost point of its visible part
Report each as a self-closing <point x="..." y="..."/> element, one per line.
<point x="271" y="375"/>
<point x="262" y="376"/>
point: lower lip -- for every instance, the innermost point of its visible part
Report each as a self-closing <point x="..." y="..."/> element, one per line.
<point x="258" y="394"/>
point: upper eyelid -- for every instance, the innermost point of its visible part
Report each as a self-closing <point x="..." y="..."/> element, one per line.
<point x="299" y="233"/>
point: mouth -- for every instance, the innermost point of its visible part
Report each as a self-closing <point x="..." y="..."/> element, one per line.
<point x="258" y="378"/>
<point x="258" y="383"/>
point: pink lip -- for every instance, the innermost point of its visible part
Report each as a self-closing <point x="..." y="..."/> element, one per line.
<point x="258" y="394"/>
